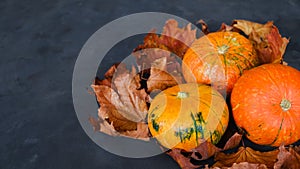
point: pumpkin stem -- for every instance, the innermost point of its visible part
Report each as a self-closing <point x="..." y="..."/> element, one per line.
<point x="182" y="95"/>
<point x="223" y="49"/>
<point x="285" y="104"/>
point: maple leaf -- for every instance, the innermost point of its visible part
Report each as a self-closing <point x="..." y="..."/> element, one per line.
<point x="246" y="154"/>
<point x="172" y="44"/>
<point x="123" y="105"/>
<point x="160" y="78"/>
<point x="267" y="41"/>
<point x="288" y="158"/>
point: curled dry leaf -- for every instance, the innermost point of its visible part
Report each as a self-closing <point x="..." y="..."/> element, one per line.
<point x="246" y="154"/>
<point x="288" y="158"/>
<point x="233" y="141"/>
<point x="267" y="41"/>
<point x="183" y="162"/>
<point x="204" y="26"/>
<point x="207" y="149"/>
<point x="204" y="151"/>
<point x="173" y="40"/>
<point x="123" y="106"/>
<point x="242" y="165"/>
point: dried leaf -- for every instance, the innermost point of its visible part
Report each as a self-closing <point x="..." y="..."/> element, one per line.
<point x="288" y="159"/>
<point x="183" y="162"/>
<point x="123" y="105"/>
<point x="185" y="35"/>
<point x="103" y="126"/>
<point x="249" y="27"/>
<point x="246" y="154"/>
<point x="224" y="28"/>
<point x="233" y="141"/>
<point x="267" y="41"/>
<point x="275" y="48"/>
<point x="204" y="26"/>
<point x="141" y="131"/>
<point x="173" y="40"/>
<point x="95" y="123"/>
<point x="243" y="165"/>
<point x="206" y="150"/>
<point x="112" y="115"/>
<point x="161" y="80"/>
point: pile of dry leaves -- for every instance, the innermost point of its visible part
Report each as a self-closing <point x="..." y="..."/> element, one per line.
<point x="125" y="94"/>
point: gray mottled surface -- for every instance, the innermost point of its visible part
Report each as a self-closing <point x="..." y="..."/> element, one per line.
<point x="39" y="43"/>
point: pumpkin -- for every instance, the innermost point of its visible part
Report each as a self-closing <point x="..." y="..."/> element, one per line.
<point x="266" y="104"/>
<point x="187" y="115"/>
<point x="218" y="59"/>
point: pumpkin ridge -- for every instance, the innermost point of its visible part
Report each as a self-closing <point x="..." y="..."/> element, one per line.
<point x="210" y="38"/>
<point x="216" y="115"/>
<point x="291" y="118"/>
<point x="274" y="82"/>
<point x="245" y="58"/>
<point x="225" y="69"/>
<point x="277" y="135"/>
<point x="195" y="126"/>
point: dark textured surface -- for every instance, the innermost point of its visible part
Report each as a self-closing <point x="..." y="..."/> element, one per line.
<point x="39" y="43"/>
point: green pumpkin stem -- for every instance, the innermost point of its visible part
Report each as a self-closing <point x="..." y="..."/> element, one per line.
<point x="182" y="95"/>
<point x="285" y="104"/>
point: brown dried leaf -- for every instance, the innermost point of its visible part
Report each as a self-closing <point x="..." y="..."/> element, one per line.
<point x="246" y="154"/>
<point x="103" y="126"/>
<point x="123" y="105"/>
<point x="288" y="159"/>
<point x="267" y="41"/>
<point x="185" y="35"/>
<point x="161" y="80"/>
<point x="275" y="48"/>
<point x="249" y="27"/>
<point x="224" y="28"/>
<point x="204" y="26"/>
<point x="172" y="40"/>
<point x="243" y="165"/>
<point x="233" y="141"/>
<point x="297" y="149"/>
<point x="206" y="150"/>
<point x="111" y="114"/>
<point x="183" y="162"/>
<point x="141" y="131"/>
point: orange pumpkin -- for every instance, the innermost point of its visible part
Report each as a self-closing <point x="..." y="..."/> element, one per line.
<point x="266" y="104"/>
<point x="186" y="115"/>
<point x="218" y="59"/>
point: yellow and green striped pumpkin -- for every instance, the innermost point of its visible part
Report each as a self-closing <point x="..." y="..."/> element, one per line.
<point x="186" y="115"/>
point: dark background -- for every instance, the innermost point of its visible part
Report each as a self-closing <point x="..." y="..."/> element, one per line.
<point x="39" y="43"/>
